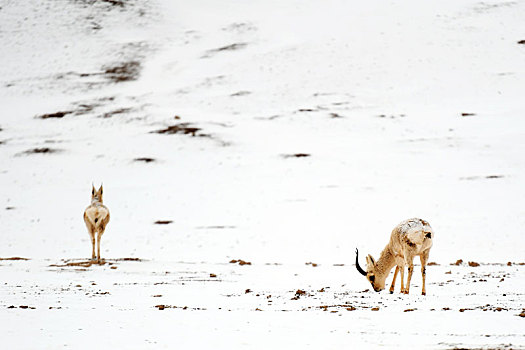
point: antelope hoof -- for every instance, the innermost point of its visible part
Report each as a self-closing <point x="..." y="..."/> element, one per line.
<point x="423" y="293"/>
<point x="391" y="292"/>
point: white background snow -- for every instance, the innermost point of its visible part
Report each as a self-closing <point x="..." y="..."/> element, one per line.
<point x="405" y="109"/>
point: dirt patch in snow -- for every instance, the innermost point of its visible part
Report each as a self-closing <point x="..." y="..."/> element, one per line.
<point x="89" y="262"/>
<point x="391" y="116"/>
<point x="122" y="72"/>
<point x="181" y="128"/>
<point x="240" y="93"/>
<point x="240" y="262"/>
<point x="163" y="222"/>
<point x="22" y="307"/>
<point x="85" y="107"/>
<point x="162" y="307"/>
<point x="116" y="3"/>
<point x="116" y="112"/>
<point x="144" y="160"/>
<point x="55" y="115"/>
<point x="489" y="177"/>
<point x="128" y="259"/>
<point x="42" y="150"/>
<point x="231" y="47"/>
<point x="85" y="263"/>
<point x="458" y="262"/>
<point x="297" y="155"/>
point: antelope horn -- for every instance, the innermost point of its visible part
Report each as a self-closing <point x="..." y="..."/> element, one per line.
<point x="361" y="271"/>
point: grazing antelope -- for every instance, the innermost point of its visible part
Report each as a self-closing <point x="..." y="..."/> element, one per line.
<point x="96" y="217"/>
<point x="410" y="238"/>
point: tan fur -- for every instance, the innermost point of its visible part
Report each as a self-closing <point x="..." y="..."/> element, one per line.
<point x="410" y="238"/>
<point x="96" y="217"/>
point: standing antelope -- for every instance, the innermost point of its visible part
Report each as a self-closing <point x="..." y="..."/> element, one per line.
<point x="410" y="238"/>
<point x="96" y="217"/>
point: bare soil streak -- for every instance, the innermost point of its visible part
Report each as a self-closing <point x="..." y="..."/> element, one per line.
<point x="144" y="159"/>
<point x="42" y="150"/>
<point x="240" y="261"/>
<point x="163" y="222"/>
<point x="232" y="47"/>
<point x="296" y="155"/>
<point x="87" y="263"/>
<point x="115" y="112"/>
<point x="182" y="128"/>
<point x="56" y="115"/>
<point x="126" y="71"/>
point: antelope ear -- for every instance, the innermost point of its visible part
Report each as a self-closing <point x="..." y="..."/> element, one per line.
<point x="100" y="189"/>
<point x="371" y="259"/>
<point x="92" y="189"/>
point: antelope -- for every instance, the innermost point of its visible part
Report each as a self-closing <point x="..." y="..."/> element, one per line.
<point x="96" y="217"/>
<point x="410" y="238"/>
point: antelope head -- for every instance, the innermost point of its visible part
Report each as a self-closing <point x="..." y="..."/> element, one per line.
<point x="96" y="196"/>
<point x="371" y="272"/>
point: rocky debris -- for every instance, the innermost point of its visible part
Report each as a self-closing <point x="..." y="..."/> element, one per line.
<point x="144" y="160"/>
<point x="240" y="262"/>
<point x="181" y="128"/>
<point x="162" y="307"/>
<point x="298" y="294"/>
<point x="163" y="222"/>
<point x="22" y="307"/>
<point x="56" y="115"/>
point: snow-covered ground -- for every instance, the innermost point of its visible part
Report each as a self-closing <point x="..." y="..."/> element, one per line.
<point x="281" y="133"/>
